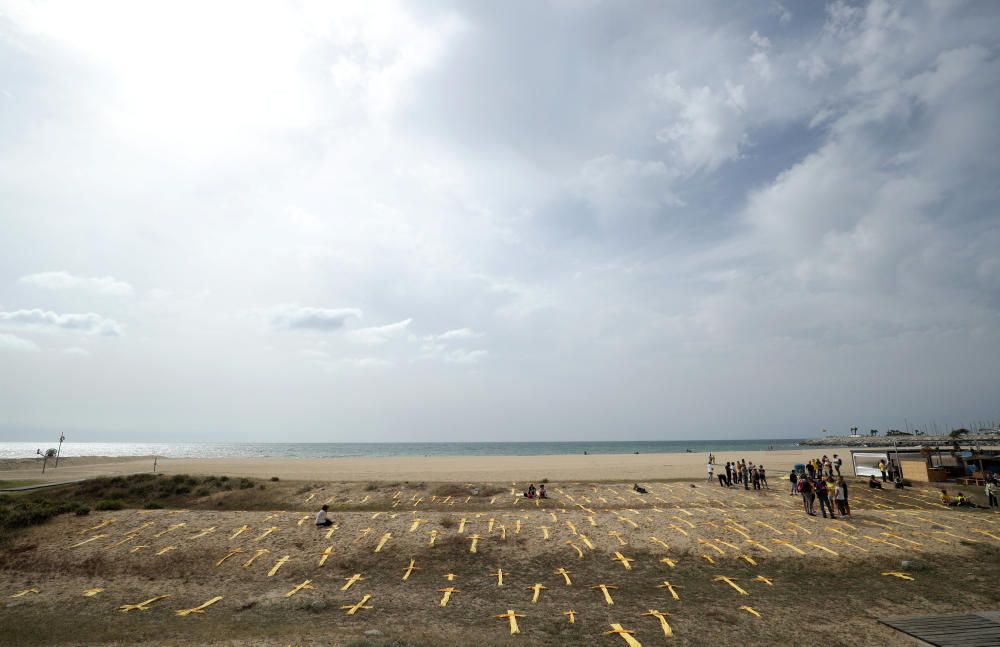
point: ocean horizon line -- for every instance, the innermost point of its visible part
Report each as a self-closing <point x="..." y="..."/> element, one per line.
<point x="313" y="449"/>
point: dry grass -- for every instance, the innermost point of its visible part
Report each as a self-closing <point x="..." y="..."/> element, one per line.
<point x="817" y="594"/>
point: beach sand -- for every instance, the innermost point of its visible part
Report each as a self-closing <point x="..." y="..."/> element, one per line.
<point x="461" y="469"/>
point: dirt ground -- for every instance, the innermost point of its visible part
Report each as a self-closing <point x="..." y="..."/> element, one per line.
<point x="794" y="578"/>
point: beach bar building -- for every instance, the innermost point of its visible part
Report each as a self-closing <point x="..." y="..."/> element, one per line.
<point x="929" y="465"/>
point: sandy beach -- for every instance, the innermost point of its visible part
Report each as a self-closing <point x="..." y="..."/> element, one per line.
<point x="598" y="467"/>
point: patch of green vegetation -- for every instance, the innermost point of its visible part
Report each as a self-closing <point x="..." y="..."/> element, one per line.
<point x="12" y="484"/>
<point x="21" y="512"/>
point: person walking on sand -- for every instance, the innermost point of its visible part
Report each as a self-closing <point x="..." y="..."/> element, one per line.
<point x="823" y="494"/>
<point x="722" y="476"/>
<point x="322" y="521"/>
<point x="882" y="467"/>
<point x="840" y="498"/>
<point x="793" y="477"/>
<point x="842" y="487"/>
<point x="805" y="488"/>
<point x="745" y="475"/>
<point x="992" y="490"/>
<point x="837" y="463"/>
<point x="711" y="468"/>
<point x="763" y="477"/>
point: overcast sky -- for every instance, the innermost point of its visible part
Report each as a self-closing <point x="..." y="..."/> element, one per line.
<point x="365" y="221"/>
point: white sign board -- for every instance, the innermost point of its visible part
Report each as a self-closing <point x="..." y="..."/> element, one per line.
<point x="866" y="463"/>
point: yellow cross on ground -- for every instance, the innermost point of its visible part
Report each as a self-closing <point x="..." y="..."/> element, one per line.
<point x="626" y="561"/>
<point x="351" y="581"/>
<point x="562" y="571"/>
<point x="670" y="587"/>
<point x="200" y="608"/>
<point x="510" y="615"/>
<point x="232" y="553"/>
<point x="141" y="606"/>
<point x="298" y="587"/>
<point x="572" y="616"/>
<point x="447" y="595"/>
<point x="249" y="562"/>
<point x="537" y="588"/>
<point x="662" y="617"/>
<point x="499" y="575"/>
<point x="409" y="570"/>
<point x="277" y="566"/>
<point x="87" y="541"/>
<point x="267" y="532"/>
<point x="730" y="582"/>
<point x="626" y="634"/>
<point x="902" y="576"/>
<point x="25" y="592"/>
<point x="604" y="589"/>
<point x="382" y="542"/>
<point x="354" y="608"/>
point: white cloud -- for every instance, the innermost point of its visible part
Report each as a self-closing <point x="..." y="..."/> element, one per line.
<point x="377" y="335"/>
<point x="707" y="128"/>
<point x="66" y="281"/>
<point x="293" y="317"/>
<point x="48" y="321"/>
<point x="762" y="42"/>
<point x="76" y="351"/>
<point x="13" y="342"/>
<point x="458" y="333"/>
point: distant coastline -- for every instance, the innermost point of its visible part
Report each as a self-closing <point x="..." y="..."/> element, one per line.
<point x="26" y="449"/>
<point x="990" y="440"/>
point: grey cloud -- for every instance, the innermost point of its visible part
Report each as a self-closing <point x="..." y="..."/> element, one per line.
<point x="48" y="321"/>
<point x="310" y="318"/>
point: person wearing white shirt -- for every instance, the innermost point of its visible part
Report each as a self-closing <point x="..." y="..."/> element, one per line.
<point x="321" y="519"/>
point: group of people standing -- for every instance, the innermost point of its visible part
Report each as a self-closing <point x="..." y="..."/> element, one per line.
<point x="825" y="489"/>
<point x="739" y="472"/>
<point x="824" y="467"/>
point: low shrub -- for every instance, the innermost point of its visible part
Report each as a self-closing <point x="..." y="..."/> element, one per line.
<point x="109" y="504"/>
<point x="275" y="478"/>
<point x="153" y="505"/>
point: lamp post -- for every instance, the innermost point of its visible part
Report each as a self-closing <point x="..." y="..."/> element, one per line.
<point x="62" y="437"/>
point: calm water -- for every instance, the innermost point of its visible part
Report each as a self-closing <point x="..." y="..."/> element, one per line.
<point x="325" y="450"/>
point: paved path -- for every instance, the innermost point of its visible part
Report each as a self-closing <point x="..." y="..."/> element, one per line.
<point x="38" y="486"/>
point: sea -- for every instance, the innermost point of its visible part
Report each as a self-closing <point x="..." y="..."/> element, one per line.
<point x="333" y="450"/>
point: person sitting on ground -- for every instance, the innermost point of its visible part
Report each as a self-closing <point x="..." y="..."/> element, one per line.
<point x="541" y="492"/>
<point x="321" y="519"/>
<point x="873" y="483"/>
<point x="947" y="500"/>
<point x="638" y="488"/>
<point x="531" y="491"/>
